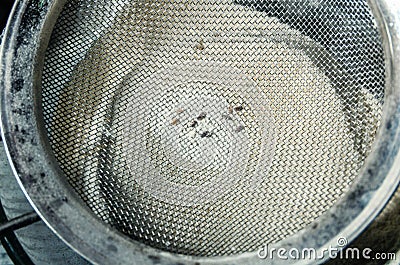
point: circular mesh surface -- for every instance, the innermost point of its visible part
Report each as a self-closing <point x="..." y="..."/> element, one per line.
<point x="212" y="127"/>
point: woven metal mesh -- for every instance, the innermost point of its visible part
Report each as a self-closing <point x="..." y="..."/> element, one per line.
<point x="211" y="127"/>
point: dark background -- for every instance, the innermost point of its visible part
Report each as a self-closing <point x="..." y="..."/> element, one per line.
<point x="5" y="8"/>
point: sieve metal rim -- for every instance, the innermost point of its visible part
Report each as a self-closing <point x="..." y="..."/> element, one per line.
<point x="42" y="181"/>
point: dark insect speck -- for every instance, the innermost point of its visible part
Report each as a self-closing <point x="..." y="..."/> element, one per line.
<point x="206" y="134"/>
<point x="202" y="116"/>
<point x="238" y="108"/>
<point x="194" y="124"/>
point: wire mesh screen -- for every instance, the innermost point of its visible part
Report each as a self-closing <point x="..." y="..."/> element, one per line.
<point x="207" y="127"/>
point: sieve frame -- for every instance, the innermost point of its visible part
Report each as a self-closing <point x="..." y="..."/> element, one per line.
<point x="36" y="169"/>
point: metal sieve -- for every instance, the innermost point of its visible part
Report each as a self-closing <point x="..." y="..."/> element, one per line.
<point x="191" y="132"/>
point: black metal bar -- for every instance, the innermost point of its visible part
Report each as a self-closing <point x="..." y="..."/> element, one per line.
<point x="12" y="245"/>
<point x="19" y="222"/>
<point x="15" y="251"/>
